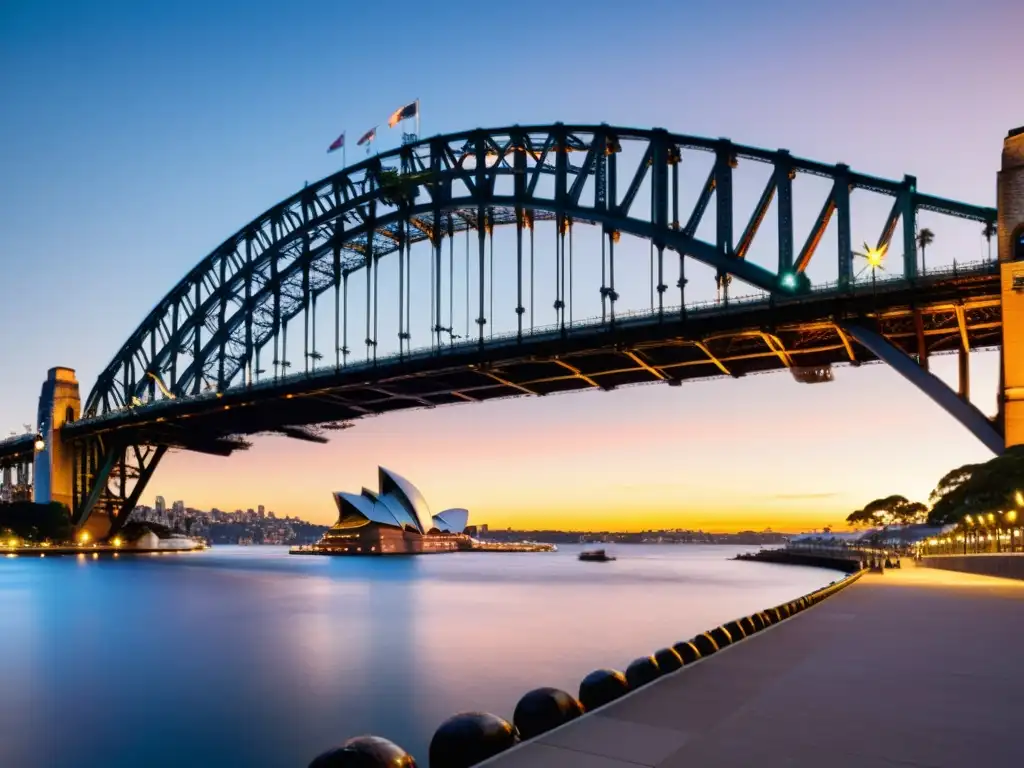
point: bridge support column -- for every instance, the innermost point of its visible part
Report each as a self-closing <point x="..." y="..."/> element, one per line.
<point x="1010" y="195"/>
<point x="961" y="410"/>
<point x="59" y="402"/>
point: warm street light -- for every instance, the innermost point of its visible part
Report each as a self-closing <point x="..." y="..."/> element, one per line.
<point x="1011" y="516"/>
<point x="83" y="537"/>
<point x="39" y="444"/>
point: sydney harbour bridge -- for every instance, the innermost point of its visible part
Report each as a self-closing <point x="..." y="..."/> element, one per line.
<point x="464" y="268"/>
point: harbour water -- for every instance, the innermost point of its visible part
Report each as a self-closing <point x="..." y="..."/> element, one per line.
<point x="246" y="656"/>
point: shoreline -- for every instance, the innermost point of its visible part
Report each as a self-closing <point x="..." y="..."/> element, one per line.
<point x="67" y="550"/>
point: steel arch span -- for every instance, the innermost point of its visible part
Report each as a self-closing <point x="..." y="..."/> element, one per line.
<point x="215" y="329"/>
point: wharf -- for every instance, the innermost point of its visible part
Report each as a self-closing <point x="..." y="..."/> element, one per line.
<point x="92" y="551"/>
<point x="913" y="667"/>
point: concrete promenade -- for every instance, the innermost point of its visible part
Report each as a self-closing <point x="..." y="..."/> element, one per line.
<point x="916" y="667"/>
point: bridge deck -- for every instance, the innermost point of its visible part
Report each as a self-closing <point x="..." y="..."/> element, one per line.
<point x="934" y="316"/>
<point x="914" y="668"/>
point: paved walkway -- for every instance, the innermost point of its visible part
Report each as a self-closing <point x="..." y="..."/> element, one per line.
<point x="916" y="667"/>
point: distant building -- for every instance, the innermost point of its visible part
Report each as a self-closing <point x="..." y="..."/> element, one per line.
<point x="395" y="519"/>
<point x="160" y="505"/>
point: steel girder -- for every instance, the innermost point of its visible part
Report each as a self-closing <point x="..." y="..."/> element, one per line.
<point x="109" y="477"/>
<point x="237" y="300"/>
<point x="17" y="449"/>
<point x="916" y="372"/>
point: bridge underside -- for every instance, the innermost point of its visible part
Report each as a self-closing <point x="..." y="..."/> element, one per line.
<point x="725" y="341"/>
<point x="16" y="451"/>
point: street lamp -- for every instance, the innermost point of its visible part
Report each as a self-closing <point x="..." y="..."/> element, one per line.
<point x="39" y="444"/>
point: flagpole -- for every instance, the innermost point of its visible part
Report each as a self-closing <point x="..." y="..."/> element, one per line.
<point x="418" y="119"/>
<point x="344" y="153"/>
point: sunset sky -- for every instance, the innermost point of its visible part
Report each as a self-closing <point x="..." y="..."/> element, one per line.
<point x="136" y="136"/>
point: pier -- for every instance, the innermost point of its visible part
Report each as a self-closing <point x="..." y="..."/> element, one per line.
<point x="913" y="667"/>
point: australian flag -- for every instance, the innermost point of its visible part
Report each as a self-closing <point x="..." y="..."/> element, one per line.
<point x="409" y="110"/>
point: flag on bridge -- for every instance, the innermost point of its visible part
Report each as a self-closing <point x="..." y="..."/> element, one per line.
<point x="404" y="113"/>
<point x="367" y="137"/>
<point x="338" y="143"/>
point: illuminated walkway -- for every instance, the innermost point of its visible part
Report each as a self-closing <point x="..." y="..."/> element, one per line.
<point x="914" y="668"/>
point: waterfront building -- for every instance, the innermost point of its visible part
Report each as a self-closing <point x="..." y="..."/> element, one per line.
<point x="394" y="519"/>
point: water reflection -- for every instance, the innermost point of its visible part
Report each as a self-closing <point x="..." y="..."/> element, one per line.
<point x="248" y="656"/>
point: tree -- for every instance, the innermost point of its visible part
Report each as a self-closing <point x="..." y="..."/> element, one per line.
<point x="988" y="232"/>
<point x="891" y="510"/>
<point x="978" y="489"/>
<point x="36" y="522"/>
<point x="924" y="238"/>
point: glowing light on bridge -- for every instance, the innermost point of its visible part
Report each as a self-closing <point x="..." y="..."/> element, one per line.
<point x="83" y="538"/>
<point x="875" y="256"/>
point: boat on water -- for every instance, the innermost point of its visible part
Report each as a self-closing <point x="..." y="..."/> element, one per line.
<point x="596" y="556"/>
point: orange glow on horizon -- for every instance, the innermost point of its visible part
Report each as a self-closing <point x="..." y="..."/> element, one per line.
<point x="631" y="460"/>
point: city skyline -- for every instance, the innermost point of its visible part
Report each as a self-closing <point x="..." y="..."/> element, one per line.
<point x="149" y="169"/>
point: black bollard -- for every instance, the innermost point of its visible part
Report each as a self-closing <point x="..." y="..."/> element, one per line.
<point x="687" y="652"/>
<point x="758" y="621"/>
<point x="705" y="644"/>
<point x="542" y="709"/>
<point x="722" y="637"/>
<point x="642" y="671"/>
<point x="736" y="631"/>
<point x="468" y="738"/>
<point x="365" y="752"/>
<point x="602" y="686"/>
<point x="748" y="625"/>
<point x="668" y="660"/>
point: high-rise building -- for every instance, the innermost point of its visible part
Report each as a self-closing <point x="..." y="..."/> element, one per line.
<point x="178" y="508"/>
<point x="161" y="505"/>
<point x="262" y="511"/>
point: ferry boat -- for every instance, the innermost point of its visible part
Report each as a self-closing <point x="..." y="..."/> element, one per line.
<point x="596" y="556"/>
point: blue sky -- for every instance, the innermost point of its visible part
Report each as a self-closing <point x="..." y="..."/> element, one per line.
<point x="135" y="136"/>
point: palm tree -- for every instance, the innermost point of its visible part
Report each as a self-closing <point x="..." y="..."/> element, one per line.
<point x="924" y="238"/>
<point x="988" y="232"/>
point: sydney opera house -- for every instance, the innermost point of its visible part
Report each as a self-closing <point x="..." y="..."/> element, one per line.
<point x="393" y="520"/>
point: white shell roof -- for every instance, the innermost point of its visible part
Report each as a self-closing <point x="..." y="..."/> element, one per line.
<point x="406" y="494"/>
<point x="398" y="504"/>
<point x="452" y="520"/>
<point x="351" y="504"/>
